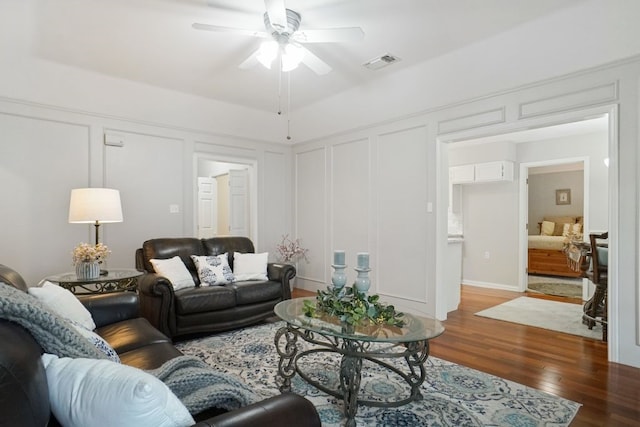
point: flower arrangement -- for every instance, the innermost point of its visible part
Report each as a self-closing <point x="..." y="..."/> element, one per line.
<point x="290" y="250"/>
<point x="85" y="252"/>
<point x="352" y="307"/>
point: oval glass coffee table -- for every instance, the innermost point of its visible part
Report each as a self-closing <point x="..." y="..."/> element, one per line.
<point x="375" y="343"/>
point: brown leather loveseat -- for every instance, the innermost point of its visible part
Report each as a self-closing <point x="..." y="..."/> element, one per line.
<point x="204" y="309"/>
<point x="24" y="395"/>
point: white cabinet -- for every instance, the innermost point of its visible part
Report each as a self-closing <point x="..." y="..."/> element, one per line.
<point x="481" y="172"/>
<point x="494" y="171"/>
<point x="461" y="174"/>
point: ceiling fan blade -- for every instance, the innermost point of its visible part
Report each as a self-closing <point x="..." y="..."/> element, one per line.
<point x="238" y="31"/>
<point x="329" y="35"/>
<point x="251" y="61"/>
<point x="316" y="64"/>
<point x="277" y="14"/>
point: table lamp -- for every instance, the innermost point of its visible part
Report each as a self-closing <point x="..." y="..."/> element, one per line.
<point x="95" y="206"/>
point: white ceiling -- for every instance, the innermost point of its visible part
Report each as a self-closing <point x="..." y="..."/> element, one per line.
<point x="151" y="41"/>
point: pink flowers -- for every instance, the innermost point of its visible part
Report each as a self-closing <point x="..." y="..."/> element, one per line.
<point x="290" y="250"/>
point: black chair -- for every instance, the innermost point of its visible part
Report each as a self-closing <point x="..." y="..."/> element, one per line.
<point x="595" y="310"/>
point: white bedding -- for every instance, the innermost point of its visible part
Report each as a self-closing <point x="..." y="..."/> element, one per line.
<point x="546" y="242"/>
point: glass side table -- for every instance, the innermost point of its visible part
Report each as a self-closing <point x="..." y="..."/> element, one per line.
<point x="116" y="280"/>
<point x="409" y="343"/>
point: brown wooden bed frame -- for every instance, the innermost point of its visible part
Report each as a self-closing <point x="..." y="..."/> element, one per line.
<point x="549" y="262"/>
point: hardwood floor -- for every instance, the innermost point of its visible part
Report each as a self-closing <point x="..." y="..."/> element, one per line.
<point x="569" y="366"/>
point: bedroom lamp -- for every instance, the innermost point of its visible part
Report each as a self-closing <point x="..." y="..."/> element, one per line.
<point x="95" y="206"/>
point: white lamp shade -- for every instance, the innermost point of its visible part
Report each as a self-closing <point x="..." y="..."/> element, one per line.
<point x="90" y="205"/>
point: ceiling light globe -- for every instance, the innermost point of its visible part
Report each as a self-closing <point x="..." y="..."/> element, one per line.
<point x="291" y="57"/>
<point x="267" y="53"/>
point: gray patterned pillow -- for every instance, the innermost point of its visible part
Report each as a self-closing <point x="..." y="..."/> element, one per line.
<point x="213" y="270"/>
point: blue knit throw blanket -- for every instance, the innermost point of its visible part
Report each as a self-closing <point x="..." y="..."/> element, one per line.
<point x="196" y="384"/>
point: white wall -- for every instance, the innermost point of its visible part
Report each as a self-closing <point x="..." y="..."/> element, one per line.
<point x="490" y="248"/>
<point x="594" y="147"/>
<point x="46" y="151"/>
<point x="369" y="192"/>
<point x="542" y="196"/>
<point x="489" y="219"/>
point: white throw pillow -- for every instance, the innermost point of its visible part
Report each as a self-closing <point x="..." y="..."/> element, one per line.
<point x="213" y="270"/>
<point x="91" y="392"/>
<point x="174" y="270"/>
<point x="547" y="228"/>
<point x="64" y="303"/>
<point x="98" y="342"/>
<point x="250" y="266"/>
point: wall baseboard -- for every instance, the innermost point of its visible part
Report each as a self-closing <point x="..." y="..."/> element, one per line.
<point x="490" y="285"/>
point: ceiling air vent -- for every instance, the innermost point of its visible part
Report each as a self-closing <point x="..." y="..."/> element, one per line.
<point x="381" y="61"/>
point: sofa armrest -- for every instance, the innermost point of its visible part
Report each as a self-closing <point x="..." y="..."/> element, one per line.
<point x="276" y="411"/>
<point x="282" y="273"/>
<point x="157" y="302"/>
<point x="112" y="307"/>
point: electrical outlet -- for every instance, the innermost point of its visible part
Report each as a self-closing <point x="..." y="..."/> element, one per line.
<point x="487" y="255"/>
<point x="174" y="209"/>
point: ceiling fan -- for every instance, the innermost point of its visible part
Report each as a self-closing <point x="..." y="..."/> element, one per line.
<point x="285" y="39"/>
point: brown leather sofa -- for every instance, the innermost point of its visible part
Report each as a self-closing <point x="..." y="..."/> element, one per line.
<point x="206" y="309"/>
<point x="24" y="397"/>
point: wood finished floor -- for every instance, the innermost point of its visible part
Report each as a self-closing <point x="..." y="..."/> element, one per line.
<point x="569" y="366"/>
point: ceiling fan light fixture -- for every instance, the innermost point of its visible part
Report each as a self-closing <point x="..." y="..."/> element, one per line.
<point x="292" y="55"/>
<point x="267" y="53"/>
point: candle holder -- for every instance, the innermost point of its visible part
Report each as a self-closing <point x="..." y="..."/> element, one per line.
<point x="362" y="283"/>
<point x="339" y="278"/>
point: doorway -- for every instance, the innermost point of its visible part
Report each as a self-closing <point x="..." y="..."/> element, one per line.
<point x="542" y="185"/>
<point x="606" y="219"/>
<point x="225" y="197"/>
<point x="494" y="214"/>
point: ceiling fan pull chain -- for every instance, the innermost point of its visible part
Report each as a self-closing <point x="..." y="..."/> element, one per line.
<point x="288" y="105"/>
<point x="280" y="87"/>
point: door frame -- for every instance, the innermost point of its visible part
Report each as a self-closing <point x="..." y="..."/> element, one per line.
<point x="524" y="213"/>
<point x="611" y="110"/>
<point x="253" y="188"/>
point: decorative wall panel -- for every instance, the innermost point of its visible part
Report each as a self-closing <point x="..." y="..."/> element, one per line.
<point x="568" y="101"/>
<point x="402" y="214"/>
<point x="311" y="212"/>
<point x="472" y="121"/>
<point x="350" y="190"/>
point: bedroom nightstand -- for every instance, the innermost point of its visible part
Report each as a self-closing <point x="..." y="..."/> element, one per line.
<point x="116" y="280"/>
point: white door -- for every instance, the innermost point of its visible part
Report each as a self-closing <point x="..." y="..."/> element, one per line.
<point x="207" y="221"/>
<point x="239" y="202"/>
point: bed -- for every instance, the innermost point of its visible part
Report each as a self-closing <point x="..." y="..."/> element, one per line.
<point x="546" y="251"/>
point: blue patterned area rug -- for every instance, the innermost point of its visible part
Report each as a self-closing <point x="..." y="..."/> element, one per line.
<point x="453" y="395"/>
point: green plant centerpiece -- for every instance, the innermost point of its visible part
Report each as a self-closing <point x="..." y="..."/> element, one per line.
<point x="353" y="308"/>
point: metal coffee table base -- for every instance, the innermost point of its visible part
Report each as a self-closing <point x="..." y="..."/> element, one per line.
<point x="353" y="352"/>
